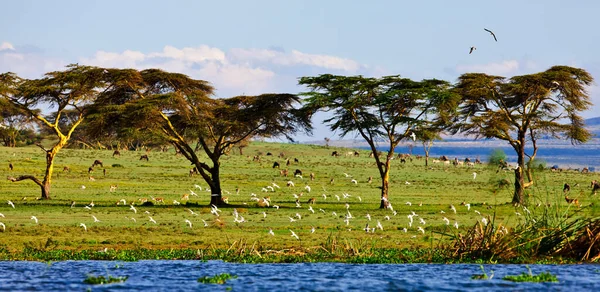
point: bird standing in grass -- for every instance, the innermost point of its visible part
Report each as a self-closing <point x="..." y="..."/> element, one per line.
<point x="95" y="219"/>
<point x="152" y="220"/>
<point x="189" y="223"/>
<point x="34" y="219"/>
<point x="133" y="209"/>
<point x="271" y="232"/>
<point x="11" y="204"/>
<point x="83" y="225"/>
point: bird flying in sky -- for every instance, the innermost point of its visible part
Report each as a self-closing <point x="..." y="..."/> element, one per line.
<point x="492" y="33"/>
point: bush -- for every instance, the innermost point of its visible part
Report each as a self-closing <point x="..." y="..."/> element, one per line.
<point x="496" y="156"/>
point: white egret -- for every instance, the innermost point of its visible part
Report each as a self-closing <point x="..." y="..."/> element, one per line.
<point x="271" y="232"/>
<point x="34" y="219"/>
<point x="95" y="219"/>
<point x="189" y="223"/>
<point x="83" y="225"/>
<point x="152" y="220"/>
<point x="11" y="204"/>
<point x="294" y="235"/>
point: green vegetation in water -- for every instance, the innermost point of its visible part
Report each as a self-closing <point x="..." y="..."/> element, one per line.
<point x="529" y="277"/>
<point x="217" y="279"/>
<point x="99" y="280"/>
<point x="483" y="276"/>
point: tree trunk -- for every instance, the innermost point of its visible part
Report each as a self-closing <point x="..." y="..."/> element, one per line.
<point x="426" y="159"/>
<point x="216" y="197"/>
<point x="45" y="190"/>
<point x="385" y="185"/>
<point x="519" y="194"/>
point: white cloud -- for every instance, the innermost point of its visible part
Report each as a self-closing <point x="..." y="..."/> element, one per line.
<point x="237" y="71"/>
<point x="505" y="68"/>
<point x="294" y="58"/>
<point x="5" y="46"/>
<point x="199" y="54"/>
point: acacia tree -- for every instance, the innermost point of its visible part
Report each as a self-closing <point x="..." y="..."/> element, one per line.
<point x="180" y="110"/>
<point x="379" y="109"/>
<point x="521" y="109"/>
<point x="61" y="91"/>
<point x="427" y="137"/>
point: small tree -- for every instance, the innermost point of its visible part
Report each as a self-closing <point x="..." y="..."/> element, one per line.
<point x="62" y="91"/>
<point x="180" y="110"/>
<point x="387" y="109"/>
<point x="521" y="109"/>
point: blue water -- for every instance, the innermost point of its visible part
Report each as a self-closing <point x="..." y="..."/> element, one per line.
<point x="564" y="157"/>
<point x="183" y="275"/>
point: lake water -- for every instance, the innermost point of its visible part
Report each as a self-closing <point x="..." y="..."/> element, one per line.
<point x="183" y="275"/>
<point x="565" y="156"/>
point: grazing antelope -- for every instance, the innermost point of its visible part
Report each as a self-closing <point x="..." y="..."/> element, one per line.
<point x="116" y="153"/>
<point x="370" y="179"/>
<point x="66" y="168"/>
<point x="298" y="172"/>
<point x="144" y="157"/>
<point x="113" y="188"/>
<point x="10" y="166"/>
<point x="158" y="200"/>
<point x="572" y="201"/>
<point x="185" y="197"/>
<point x="312" y="176"/>
<point x="97" y="162"/>
<point x="275" y="164"/>
<point x="311" y="201"/>
<point x="566" y="188"/>
<point x="284" y="172"/>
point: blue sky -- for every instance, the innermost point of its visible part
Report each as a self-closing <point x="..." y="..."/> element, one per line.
<point x="252" y="47"/>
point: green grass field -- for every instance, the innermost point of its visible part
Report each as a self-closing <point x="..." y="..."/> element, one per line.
<point x="428" y="192"/>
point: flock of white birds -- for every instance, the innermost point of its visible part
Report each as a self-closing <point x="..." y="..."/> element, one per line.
<point x="410" y="221"/>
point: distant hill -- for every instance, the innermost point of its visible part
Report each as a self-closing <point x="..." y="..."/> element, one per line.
<point x="593" y="122"/>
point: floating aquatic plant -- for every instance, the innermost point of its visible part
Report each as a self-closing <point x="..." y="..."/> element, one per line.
<point x="529" y="277"/>
<point x="217" y="279"/>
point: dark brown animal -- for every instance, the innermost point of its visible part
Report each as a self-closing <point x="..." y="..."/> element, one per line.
<point x="356" y="154"/>
<point x="275" y="164"/>
<point x="595" y="187"/>
<point x="288" y="162"/>
<point x="370" y="179"/>
<point x="298" y="172"/>
<point x="269" y="154"/>
<point x="144" y="157"/>
<point x="335" y="153"/>
<point x="116" y="153"/>
<point x="585" y="170"/>
<point x="97" y="162"/>
<point x="311" y="201"/>
<point x="312" y="176"/>
<point x="10" y="166"/>
<point x="90" y="169"/>
<point x="296" y="160"/>
<point x="66" y="168"/>
<point x="572" y="201"/>
<point x="566" y="188"/>
<point x="104" y="172"/>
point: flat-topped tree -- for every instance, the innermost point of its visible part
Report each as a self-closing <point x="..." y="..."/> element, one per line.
<point x="65" y="91"/>
<point x="181" y="111"/>
<point x="521" y="109"/>
<point x="380" y="110"/>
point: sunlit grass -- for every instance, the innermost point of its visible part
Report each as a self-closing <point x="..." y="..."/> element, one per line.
<point x="428" y="192"/>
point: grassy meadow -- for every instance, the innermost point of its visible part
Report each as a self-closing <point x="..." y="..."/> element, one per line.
<point x="428" y="192"/>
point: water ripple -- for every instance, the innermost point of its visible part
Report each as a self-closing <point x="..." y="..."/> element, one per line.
<point x="183" y="275"/>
